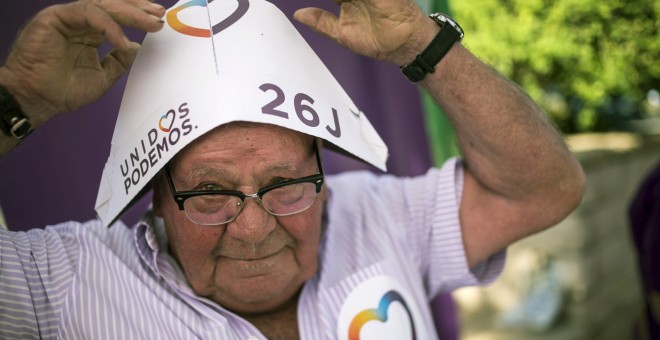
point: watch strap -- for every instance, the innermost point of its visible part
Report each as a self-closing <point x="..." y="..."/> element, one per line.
<point x="13" y="121"/>
<point x="425" y="62"/>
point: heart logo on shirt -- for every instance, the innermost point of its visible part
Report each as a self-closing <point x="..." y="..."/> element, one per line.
<point x="380" y="307"/>
<point x="378" y="314"/>
<point x="177" y="25"/>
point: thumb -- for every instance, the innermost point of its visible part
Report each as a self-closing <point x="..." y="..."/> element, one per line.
<point x="116" y="62"/>
<point x="318" y="20"/>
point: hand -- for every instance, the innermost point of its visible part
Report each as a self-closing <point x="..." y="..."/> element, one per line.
<point x="54" y="64"/>
<point x="391" y="30"/>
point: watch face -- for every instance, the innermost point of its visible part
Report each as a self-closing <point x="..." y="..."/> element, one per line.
<point x="21" y="128"/>
<point x="12" y="120"/>
<point x="442" y="20"/>
<point x="450" y="33"/>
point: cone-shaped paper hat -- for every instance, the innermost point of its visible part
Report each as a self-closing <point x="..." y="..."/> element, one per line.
<point x="214" y="63"/>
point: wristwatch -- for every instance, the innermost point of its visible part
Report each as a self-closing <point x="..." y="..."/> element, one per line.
<point x="450" y="33"/>
<point x="13" y="121"/>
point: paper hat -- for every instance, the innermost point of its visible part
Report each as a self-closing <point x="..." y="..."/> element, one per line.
<point x="216" y="62"/>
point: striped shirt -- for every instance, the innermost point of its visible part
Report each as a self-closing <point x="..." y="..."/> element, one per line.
<point x="392" y="242"/>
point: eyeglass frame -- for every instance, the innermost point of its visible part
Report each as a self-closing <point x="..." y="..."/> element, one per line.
<point x="181" y="196"/>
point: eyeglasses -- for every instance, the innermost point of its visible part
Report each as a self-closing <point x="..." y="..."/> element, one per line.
<point x="214" y="207"/>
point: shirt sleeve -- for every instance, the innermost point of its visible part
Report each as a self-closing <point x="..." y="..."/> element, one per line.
<point x="436" y="199"/>
<point x="36" y="270"/>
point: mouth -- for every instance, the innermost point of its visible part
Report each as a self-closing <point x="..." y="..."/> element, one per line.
<point x="254" y="257"/>
<point x="250" y="267"/>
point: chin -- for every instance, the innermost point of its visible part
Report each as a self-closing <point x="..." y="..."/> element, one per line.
<point x="260" y="286"/>
<point x="264" y="296"/>
<point x="262" y="293"/>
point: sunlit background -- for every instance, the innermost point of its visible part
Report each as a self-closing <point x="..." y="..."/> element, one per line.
<point x="594" y="67"/>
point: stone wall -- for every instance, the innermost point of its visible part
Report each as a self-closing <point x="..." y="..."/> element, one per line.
<point x="577" y="280"/>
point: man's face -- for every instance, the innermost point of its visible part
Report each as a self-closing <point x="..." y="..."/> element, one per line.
<point x="258" y="261"/>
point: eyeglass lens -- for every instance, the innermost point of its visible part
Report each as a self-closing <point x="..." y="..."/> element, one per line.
<point x="219" y="209"/>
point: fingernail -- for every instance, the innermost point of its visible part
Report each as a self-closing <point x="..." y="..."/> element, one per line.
<point x="156" y="18"/>
<point x="156" y="6"/>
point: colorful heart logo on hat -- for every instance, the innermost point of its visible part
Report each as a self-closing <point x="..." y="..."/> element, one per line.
<point x="163" y="122"/>
<point x="177" y="25"/>
<point x="378" y="314"/>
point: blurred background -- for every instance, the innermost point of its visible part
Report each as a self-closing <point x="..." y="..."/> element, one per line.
<point x="592" y="65"/>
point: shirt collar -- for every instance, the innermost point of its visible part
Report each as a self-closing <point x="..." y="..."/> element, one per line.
<point x="151" y="240"/>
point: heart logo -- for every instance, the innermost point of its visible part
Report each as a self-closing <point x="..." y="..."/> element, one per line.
<point x="378" y="314"/>
<point x="163" y="121"/>
<point x="177" y="25"/>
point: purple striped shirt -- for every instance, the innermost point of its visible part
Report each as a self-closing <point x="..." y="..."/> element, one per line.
<point x="385" y="234"/>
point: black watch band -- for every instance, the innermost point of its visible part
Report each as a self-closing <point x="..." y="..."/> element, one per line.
<point x="424" y="63"/>
<point x="13" y="121"/>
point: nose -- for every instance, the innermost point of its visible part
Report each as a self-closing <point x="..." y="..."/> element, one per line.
<point x="253" y="223"/>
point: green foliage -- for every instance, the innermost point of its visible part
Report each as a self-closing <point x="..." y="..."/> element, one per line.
<point x="568" y="51"/>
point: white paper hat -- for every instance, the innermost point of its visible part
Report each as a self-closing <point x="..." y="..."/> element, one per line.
<point x="214" y="63"/>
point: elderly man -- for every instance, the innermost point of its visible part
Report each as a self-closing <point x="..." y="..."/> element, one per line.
<point x="247" y="238"/>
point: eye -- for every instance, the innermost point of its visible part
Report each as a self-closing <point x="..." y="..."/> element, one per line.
<point x="207" y="187"/>
<point x="278" y="180"/>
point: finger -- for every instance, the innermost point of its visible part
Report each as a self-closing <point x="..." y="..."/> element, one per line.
<point x="318" y="20"/>
<point x="148" y="6"/>
<point x="96" y="82"/>
<point x="79" y="19"/>
<point x="143" y="15"/>
<point x="153" y="8"/>
<point x="116" y="62"/>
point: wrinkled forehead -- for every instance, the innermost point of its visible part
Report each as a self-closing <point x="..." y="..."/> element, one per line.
<point x="245" y="139"/>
